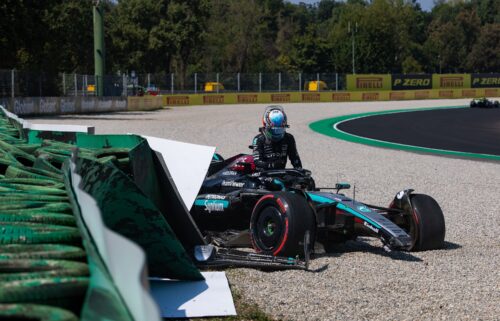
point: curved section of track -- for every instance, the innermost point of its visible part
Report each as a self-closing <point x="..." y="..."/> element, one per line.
<point x="451" y="131"/>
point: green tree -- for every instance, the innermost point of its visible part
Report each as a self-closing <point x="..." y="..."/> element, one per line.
<point x="485" y="55"/>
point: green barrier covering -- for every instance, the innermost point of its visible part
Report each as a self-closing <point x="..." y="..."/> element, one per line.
<point x="41" y="251"/>
<point x="127" y="211"/>
<point x="34" y="312"/>
<point x="64" y="292"/>
<point x="103" y="301"/>
<point x="24" y="269"/>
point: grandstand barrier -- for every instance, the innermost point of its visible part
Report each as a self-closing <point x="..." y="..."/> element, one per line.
<point x="338" y="96"/>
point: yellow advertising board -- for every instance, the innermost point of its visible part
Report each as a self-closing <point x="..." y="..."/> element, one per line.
<point x="323" y="96"/>
<point x="451" y="81"/>
<point x="144" y="103"/>
<point x="369" y="82"/>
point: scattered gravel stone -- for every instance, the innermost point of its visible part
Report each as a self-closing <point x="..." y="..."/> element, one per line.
<point x="360" y="281"/>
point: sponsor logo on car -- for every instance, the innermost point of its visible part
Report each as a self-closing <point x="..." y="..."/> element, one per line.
<point x="229" y="173"/>
<point x="214" y="197"/>
<point x="232" y="184"/>
<point x="364" y="208"/>
<point x="371" y="227"/>
<point x="211" y="206"/>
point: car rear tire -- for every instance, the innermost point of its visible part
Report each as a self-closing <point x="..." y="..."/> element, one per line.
<point x="279" y="223"/>
<point x="426" y="227"/>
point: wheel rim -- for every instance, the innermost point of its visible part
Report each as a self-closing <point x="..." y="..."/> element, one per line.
<point x="268" y="228"/>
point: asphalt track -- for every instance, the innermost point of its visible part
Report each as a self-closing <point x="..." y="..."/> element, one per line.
<point x="358" y="280"/>
<point x="468" y="130"/>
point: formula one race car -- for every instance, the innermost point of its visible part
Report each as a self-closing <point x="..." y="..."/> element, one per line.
<point x="484" y="103"/>
<point x="282" y="210"/>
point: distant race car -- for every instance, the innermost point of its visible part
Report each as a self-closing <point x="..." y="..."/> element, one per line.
<point x="484" y="103"/>
<point x="284" y="213"/>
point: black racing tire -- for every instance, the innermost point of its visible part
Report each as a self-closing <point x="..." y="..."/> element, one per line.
<point x="30" y="312"/>
<point x="24" y="269"/>
<point x="427" y="226"/>
<point x="279" y="222"/>
<point x="42" y="252"/>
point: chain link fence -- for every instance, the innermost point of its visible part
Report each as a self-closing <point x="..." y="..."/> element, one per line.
<point x="14" y="83"/>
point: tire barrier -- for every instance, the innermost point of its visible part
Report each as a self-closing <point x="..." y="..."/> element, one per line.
<point x="41" y="252"/>
<point x="24" y="269"/>
<point x="35" y="233"/>
<point x="42" y="265"/>
<point x="39" y="259"/>
<point x="30" y="312"/>
<point x="65" y="292"/>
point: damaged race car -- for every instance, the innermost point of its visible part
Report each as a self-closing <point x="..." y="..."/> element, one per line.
<point x="282" y="212"/>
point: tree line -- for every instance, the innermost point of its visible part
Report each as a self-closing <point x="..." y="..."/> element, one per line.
<point x="250" y="36"/>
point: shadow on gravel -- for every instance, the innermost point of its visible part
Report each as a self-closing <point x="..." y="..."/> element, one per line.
<point x="451" y="246"/>
<point x="337" y="250"/>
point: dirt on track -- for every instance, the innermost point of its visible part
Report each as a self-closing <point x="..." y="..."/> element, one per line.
<point x="359" y="280"/>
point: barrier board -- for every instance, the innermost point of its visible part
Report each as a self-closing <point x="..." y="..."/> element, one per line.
<point x="337" y="96"/>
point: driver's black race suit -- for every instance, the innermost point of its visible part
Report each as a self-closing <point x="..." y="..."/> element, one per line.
<point x="273" y="155"/>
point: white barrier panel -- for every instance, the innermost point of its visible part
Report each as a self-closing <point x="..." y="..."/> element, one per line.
<point x="193" y="299"/>
<point x="124" y="259"/>
<point x="187" y="163"/>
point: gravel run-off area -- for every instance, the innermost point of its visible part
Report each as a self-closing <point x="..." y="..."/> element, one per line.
<point x="358" y="281"/>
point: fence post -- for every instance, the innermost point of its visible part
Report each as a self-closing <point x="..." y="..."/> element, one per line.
<point x="300" y="82"/>
<point x="217" y="80"/>
<point x="125" y="86"/>
<point x="76" y="84"/>
<point x="64" y="83"/>
<point x="279" y="82"/>
<point x="84" y="86"/>
<point x="336" y="81"/>
<point x="317" y="81"/>
<point x="260" y="82"/>
<point x="172" y="83"/>
<point x="238" y="78"/>
<point x="195" y="82"/>
<point x="12" y="83"/>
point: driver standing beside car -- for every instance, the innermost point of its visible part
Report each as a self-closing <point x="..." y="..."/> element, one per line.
<point x="273" y="145"/>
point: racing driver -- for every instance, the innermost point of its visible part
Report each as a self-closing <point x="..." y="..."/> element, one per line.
<point x="273" y="145"/>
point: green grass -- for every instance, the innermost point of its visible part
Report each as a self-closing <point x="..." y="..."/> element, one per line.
<point x="245" y="311"/>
